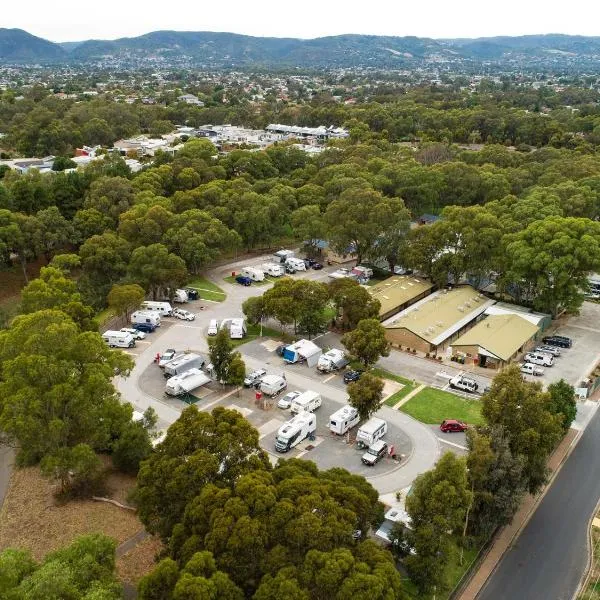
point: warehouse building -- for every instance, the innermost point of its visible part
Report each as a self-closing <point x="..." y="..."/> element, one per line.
<point x="433" y="323"/>
<point x="398" y="293"/>
<point x="496" y="340"/>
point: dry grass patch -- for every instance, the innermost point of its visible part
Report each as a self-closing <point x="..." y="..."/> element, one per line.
<point x="32" y="519"/>
<point x="131" y="567"/>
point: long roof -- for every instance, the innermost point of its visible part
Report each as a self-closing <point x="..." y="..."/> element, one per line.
<point x="437" y="316"/>
<point x="499" y="335"/>
<point x="398" y="290"/>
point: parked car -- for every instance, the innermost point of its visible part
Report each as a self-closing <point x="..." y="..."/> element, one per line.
<point x="286" y="401"/>
<point x="193" y="294"/>
<point x="254" y="378"/>
<point x="531" y="369"/>
<point x="558" y="340"/>
<point x="290" y="270"/>
<point x="452" y="426"/>
<point x="309" y="262"/>
<point x="137" y="335"/>
<point x="166" y="356"/>
<point x="184" y="315"/>
<point x="350" y="376"/>
<point x="549" y="349"/>
<point x="317" y="266"/>
<point x="375" y="453"/>
<point x="243" y="280"/>
<point x="145" y="327"/>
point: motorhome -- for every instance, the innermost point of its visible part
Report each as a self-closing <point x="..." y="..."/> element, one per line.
<point x="118" y="339"/>
<point x="296" y="263"/>
<point x="272" y="385"/>
<point x="292" y="432"/>
<point x="236" y="327"/>
<point x="274" y="270"/>
<point x="184" y="363"/>
<point x="145" y="316"/>
<point x="186" y="382"/>
<point x="308" y="401"/>
<point x="253" y="273"/>
<point x="163" y="308"/>
<point x="343" y="420"/>
<point x="281" y="256"/>
<point x="332" y="360"/>
<point x="374" y="429"/>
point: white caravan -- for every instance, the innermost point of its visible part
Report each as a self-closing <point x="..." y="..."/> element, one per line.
<point x="146" y="316"/>
<point x="118" y="339"/>
<point x="163" y="308"/>
<point x="272" y="385"/>
<point x="374" y="429"/>
<point x="178" y="366"/>
<point x="186" y="382"/>
<point x="273" y="270"/>
<point x="292" y="432"/>
<point x="343" y="420"/>
<point x="308" y="401"/>
<point x="253" y="273"/>
<point x="332" y="360"/>
<point x="296" y="263"/>
<point x="180" y="296"/>
<point x="282" y="255"/>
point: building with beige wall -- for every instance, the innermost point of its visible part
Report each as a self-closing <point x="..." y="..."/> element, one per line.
<point x="398" y="293"/>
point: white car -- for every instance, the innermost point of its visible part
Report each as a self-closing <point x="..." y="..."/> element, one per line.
<point x="184" y="315"/>
<point x="287" y="400"/>
<point x="166" y="356"/>
<point x="137" y="335"/>
<point x="531" y="369"/>
<point x="254" y="378"/>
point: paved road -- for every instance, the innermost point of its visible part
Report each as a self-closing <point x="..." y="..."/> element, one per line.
<point x="550" y="556"/>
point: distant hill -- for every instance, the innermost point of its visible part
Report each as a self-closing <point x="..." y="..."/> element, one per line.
<point x="229" y="49"/>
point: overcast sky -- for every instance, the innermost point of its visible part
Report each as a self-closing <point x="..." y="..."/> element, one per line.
<point x="73" y="20"/>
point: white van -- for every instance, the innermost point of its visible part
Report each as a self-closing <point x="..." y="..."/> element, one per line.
<point x="343" y="420"/>
<point x="297" y="263"/>
<point x="118" y="339"/>
<point x="308" y="401"/>
<point x="163" y="308"/>
<point x="253" y="273"/>
<point x="374" y="429"/>
<point x="539" y="358"/>
<point x="273" y="270"/>
<point x="213" y="327"/>
<point x="146" y="316"/>
<point x="237" y="329"/>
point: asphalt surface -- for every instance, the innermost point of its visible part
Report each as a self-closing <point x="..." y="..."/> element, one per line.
<point x="550" y="556"/>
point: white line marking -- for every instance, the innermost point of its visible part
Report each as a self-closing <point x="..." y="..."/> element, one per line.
<point x="452" y="444"/>
<point x="329" y="378"/>
<point x="210" y="404"/>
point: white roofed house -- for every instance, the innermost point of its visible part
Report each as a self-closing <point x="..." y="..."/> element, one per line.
<point x="190" y="99"/>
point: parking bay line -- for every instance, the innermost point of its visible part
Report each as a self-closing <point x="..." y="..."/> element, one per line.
<point x="451" y="443"/>
<point x="329" y="378"/>
<point x="210" y="404"/>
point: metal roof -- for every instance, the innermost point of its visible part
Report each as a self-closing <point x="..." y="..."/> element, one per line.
<point x="397" y="291"/>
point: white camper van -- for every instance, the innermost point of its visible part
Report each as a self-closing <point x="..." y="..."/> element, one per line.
<point x="184" y="363"/>
<point x="374" y="429"/>
<point x="150" y="317"/>
<point x="308" y="401"/>
<point x="253" y="273"/>
<point x="272" y="385"/>
<point x="186" y="382"/>
<point x="213" y="327"/>
<point x="163" y="308"/>
<point x="292" y="432"/>
<point x="272" y="269"/>
<point x="296" y="263"/>
<point x="118" y="339"/>
<point x="343" y="420"/>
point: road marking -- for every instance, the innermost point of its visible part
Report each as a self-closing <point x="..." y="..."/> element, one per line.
<point x="329" y="378"/>
<point x="189" y="326"/>
<point x="142" y="342"/>
<point x="269" y="427"/>
<point x="210" y="404"/>
<point x="451" y="443"/>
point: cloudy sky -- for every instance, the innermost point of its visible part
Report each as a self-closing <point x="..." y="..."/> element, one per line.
<point x="72" y="20"/>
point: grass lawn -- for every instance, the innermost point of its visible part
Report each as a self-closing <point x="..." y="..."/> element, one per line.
<point x="230" y="279"/>
<point x="208" y="290"/>
<point x="105" y="315"/>
<point x="254" y="333"/>
<point x="592" y="589"/>
<point x="409" y="385"/>
<point x="433" y="406"/>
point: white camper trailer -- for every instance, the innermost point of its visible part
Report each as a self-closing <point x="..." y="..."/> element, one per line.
<point x="163" y="308"/>
<point x="180" y="296"/>
<point x="296" y="263"/>
<point x="292" y="432"/>
<point x="178" y="366"/>
<point x="282" y="255"/>
<point x="343" y="420"/>
<point x="236" y="327"/>
<point x="308" y="401"/>
<point x="272" y="385"/>
<point x="253" y="273"/>
<point x="374" y="429"/>
<point x="118" y="339"/>
<point x="146" y="316"/>
<point x="186" y="382"/>
<point x="274" y="270"/>
<point x="332" y="360"/>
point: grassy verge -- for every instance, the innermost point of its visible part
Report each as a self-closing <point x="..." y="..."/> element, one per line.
<point x="230" y="279"/>
<point x="254" y="333"/>
<point x="408" y="385"/>
<point x="208" y="290"/>
<point x="105" y="315"/>
<point x="433" y="406"/>
<point x="592" y="589"/>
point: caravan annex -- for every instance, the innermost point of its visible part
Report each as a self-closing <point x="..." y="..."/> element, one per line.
<point x="302" y="351"/>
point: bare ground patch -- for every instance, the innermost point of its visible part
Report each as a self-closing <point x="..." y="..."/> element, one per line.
<point x="139" y="561"/>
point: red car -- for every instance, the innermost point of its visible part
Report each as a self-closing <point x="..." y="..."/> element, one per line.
<point x="452" y="425"/>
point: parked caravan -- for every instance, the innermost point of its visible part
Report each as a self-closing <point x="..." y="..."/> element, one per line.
<point x="253" y="273"/>
<point x="145" y="316"/>
<point x="332" y="360"/>
<point x="180" y="296"/>
<point x="186" y="382"/>
<point x="539" y="358"/>
<point x="282" y="255"/>
<point x="302" y="350"/>
<point x="374" y="429"/>
<point x="272" y="385"/>
<point x="118" y="339"/>
<point x="274" y="270"/>
<point x="163" y="308"/>
<point x="343" y="420"/>
<point x="308" y="401"/>
<point x="184" y="363"/>
<point x="292" y="432"/>
<point x="296" y="263"/>
<point x="236" y="327"/>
